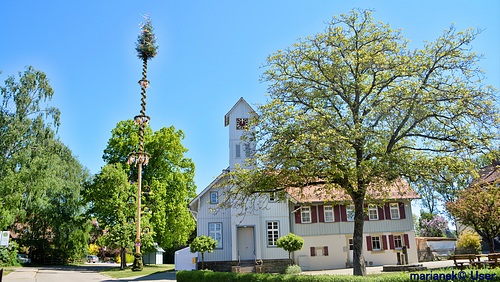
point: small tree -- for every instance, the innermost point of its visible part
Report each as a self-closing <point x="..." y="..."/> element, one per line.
<point x="290" y="243"/>
<point x="203" y="244"/>
<point x="479" y="208"/>
<point x="434" y="227"/>
<point x="469" y="242"/>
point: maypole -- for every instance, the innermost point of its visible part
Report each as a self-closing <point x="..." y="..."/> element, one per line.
<point x="146" y="48"/>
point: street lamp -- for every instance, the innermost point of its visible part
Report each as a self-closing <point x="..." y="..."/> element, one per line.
<point x="146" y="49"/>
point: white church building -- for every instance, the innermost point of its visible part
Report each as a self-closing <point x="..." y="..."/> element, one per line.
<point x="323" y="221"/>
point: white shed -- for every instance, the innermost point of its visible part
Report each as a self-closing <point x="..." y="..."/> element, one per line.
<point x="154" y="257"/>
<point x="185" y="260"/>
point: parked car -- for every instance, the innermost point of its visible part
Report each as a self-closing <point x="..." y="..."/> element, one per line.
<point x="23" y="258"/>
<point x="93" y="259"/>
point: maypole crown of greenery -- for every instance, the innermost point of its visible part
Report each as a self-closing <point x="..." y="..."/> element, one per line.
<point x="146" y="42"/>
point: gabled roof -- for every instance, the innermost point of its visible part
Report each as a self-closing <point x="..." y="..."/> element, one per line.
<point x="241" y="100"/>
<point x="487" y="174"/>
<point x="399" y="189"/>
<point x="212" y="184"/>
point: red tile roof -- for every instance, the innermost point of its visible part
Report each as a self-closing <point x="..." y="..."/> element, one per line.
<point x="399" y="189"/>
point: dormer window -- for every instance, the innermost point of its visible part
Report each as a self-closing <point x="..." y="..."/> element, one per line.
<point x="214" y="197"/>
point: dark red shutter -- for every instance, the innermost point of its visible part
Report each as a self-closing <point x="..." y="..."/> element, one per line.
<point x="407" y="241"/>
<point x="369" y="243"/>
<point x="314" y="214"/>
<point x="313" y="251"/>
<point x="391" y="242"/>
<point x="343" y="213"/>
<point x="336" y="212"/>
<point x="297" y="214"/>
<point x="380" y="213"/>
<point x="321" y="214"/>
<point x="387" y="211"/>
<point x="384" y="242"/>
<point x="402" y="213"/>
<point x="325" y="250"/>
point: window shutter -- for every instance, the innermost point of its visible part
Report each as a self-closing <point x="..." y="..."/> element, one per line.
<point x="321" y="213"/>
<point x="380" y="213"/>
<point x="313" y="251"/>
<point x="343" y="213"/>
<point x="384" y="242"/>
<point x="402" y="213"/>
<point x="336" y="212"/>
<point x="407" y="241"/>
<point x="297" y="214"/>
<point x="391" y="242"/>
<point x="367" y="217"/>
<point x="369" y="243"/>
<point x="314" y="214"/>
<point x="387" y="211"/>
<point x="325" y="250"/>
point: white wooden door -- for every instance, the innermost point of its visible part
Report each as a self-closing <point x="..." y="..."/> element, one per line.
<point x="246" y="243"/>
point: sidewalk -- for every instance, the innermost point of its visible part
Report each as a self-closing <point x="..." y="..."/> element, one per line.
<point x="21" y="273"/>
<point x="377" y="269"/>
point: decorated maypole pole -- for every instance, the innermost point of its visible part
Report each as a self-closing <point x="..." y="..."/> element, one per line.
<point x="146" y="48"/>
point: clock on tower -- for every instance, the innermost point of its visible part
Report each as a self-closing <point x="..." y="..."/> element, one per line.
<point x="241" y="123"/>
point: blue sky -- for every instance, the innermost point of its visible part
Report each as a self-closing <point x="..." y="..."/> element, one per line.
<point x="211" y="54"/>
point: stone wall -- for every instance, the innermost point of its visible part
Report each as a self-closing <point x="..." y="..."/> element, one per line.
<point x="270" y="266"/>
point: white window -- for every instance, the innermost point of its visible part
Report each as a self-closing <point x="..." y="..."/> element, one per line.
<point x="213" y="198"/>
<point x="305" y="215"/>
<point x="328" y="213"/>
<point x="215" y="231"/>
<point x="350" y="213"/>
<point x="351" y="244"/>
<point x="272" y="232"/>
<point x="398" y="242"/>
<point x="376" y="243"/>
<point x="272" y="197"/>
<point x="246" y="148"/>
<point x="394" y="210"/>
<point x="372" y="212"/>
<point x="238" y="151"/>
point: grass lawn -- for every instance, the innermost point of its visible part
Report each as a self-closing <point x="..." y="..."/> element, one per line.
<point x="115" y="272"/>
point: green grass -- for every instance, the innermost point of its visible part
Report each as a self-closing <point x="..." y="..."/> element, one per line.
<point x="115" y="272"/>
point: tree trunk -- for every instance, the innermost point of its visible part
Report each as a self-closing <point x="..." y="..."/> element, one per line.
<point x="491" y="244"/>
<point x="202" y="261"/>
<point x="123" y="259"/>
<point x="359" y="267"/>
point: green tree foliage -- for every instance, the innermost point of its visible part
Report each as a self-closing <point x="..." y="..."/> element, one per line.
<point x="108" y="195"/>
<point x="479" y="208"/>
<point x="40" y="179"/>
<point x="169" y="175"/>
<point x="203" y="244"/>
<point x="290" y="243"/>
<point x="353" y="107"/>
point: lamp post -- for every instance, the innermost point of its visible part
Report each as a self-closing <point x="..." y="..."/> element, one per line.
<point x="146" y="50"/>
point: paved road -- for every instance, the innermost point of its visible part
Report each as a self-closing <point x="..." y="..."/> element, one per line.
<point x="83" y="273"/>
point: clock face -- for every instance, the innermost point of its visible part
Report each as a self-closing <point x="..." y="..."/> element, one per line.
<point x="241" y="123"/>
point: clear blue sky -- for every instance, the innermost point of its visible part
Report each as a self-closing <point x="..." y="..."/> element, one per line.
<point x="211" y="54"/>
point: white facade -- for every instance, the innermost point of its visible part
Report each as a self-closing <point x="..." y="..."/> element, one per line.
<point x="326" y="235"/>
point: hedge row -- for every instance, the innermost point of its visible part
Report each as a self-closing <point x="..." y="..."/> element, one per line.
<point x="440" y="275"/>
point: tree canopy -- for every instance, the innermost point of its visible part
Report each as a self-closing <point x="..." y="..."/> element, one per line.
<point x="169" y="175"/>
<point x="353" y="107"/>
<point x="40" y="179"/>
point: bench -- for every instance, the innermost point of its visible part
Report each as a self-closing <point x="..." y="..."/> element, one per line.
<point x="493" y="260"/>
<point x="463" y="261"/>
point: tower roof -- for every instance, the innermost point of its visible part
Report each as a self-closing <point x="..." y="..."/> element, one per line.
<point x="241" y="100"/>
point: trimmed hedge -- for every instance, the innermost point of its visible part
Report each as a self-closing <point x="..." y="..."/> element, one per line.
<point x="209" y="276"/>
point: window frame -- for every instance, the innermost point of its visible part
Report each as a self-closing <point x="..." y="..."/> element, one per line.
<point x="400" y="242"/>
<point x="394" y="207"/>
<point x="273" y="229"/>
<point x="237" y="154"/>
<point x="215" y="232"/>
<point x="349" y="212"/>
<point x="216" y="197"/>
<point x="325" y="212"/>
<point x="302" y="212"/>
<point x="373" y="208"/>
<point x="379" y="241"/>
<point x="272" y="197"/>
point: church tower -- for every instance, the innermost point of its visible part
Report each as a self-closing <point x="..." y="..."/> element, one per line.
<point x="238" y="119"/>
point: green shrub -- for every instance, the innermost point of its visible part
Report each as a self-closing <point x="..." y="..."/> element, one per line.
<point x="469" y="242"/>
<point x="291" y="269"/>
<point x="8" y="255"/>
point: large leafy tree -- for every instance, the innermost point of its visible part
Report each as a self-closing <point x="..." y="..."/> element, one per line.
<point x="353" y="107"/>
<point x="40" y="179"/>
<point x="108" y="194"/>
<point x="479" y="208"/>
<point x="169" y="175"/>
